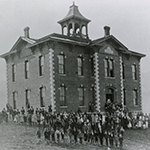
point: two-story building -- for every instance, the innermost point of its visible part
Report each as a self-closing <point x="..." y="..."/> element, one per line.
<point x="69" y="70"/>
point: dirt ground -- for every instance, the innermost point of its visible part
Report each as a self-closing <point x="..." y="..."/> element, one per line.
<point x="23" y="137"/>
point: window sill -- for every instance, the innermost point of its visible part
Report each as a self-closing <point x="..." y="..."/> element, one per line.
<point x="110" y="77"/>
<point x="81" y="76"/>
<point x="41" y="76"/>
<point x="62" y="75"/>
<point x="26" y="78"/>
<point x="135" y="80"/>
<point x="136" y="105"/>
<point x="82" y="106"/>
<point x="63" y="106"/>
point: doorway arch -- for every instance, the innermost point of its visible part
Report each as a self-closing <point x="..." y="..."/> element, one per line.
<point x="110" y="94"/>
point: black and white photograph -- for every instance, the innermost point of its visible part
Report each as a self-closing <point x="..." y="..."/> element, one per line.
<point x="74" y="75"/>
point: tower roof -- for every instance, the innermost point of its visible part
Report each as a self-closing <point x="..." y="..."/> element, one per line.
<point x="74" y="13"/>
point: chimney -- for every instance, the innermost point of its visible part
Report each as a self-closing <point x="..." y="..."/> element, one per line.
<point x="26" y="32"/>
<point x="107" y="31"/>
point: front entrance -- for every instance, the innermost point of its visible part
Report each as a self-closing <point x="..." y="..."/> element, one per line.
<point x="110" y="94"/>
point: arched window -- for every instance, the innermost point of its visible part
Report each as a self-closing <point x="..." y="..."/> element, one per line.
<point x="109" y="67"/>
<point x="92" y="65"/>
<point x="64" y="30"/>
<point x="135" y="97"/>
<point x="134" y="72"/>
<point x="110" y="94"/>
<point x="84" y="31"/>
<point x="80" y="65"/>
<point x="70" y="29"/>
<point x="27" y="98"/>
<point x="42" y="96"/>
<point x="26" y="69"/>
<point x="77" y="29"/>
<point x="13" y="73"/>
<point x="61" y="63"/>
<point x="93" y="94"/>
<point x="124" y="97"/>
<point x="62" y="95"/>
<point x="14" y="99"/>
<point x="81" y="96"/>
<point x="41" y="65"/>
<point x="123" y="71"/>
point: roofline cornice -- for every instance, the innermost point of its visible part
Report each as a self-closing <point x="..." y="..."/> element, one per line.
<point x="69" y="41"/>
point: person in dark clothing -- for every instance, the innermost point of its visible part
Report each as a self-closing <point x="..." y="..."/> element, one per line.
<point x="120" y="140"/>
<point x="50" y="108"/>
<point x="111" y="138"/>
<point x="47" y="135"/>
<point x="121" y="133"/>
<point x="22" y="111"/>
<point x="38" y="134"/>
<point x="32" y="110"/>
<point x="106" y="137"/>
<point x="90" y="107"/>
<point x="5" y="115"/>
<point x="101" y="134"/>
<point x="36" y="111"/>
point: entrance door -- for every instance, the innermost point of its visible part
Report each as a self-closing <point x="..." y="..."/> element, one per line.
<point x="110" y="94"/>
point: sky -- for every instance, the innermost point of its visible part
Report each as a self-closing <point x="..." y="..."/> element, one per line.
<point x="129" y="22"/>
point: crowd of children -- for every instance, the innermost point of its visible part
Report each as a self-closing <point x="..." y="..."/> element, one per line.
<point x="75" y="127"/>
<point x="83" y="128"/>
<point x="106" y="129"/>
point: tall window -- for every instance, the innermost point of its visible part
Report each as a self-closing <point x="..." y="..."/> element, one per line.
<point x="62" y="95"/>
<point x="80" y="66"/>
<point x="106" y="63"/>
<point x="27" y="97"/>
<point x="81" y="96"/>
<point x="109" y="67"/>
<point x="92" y="66"/>
<point x="41" y="65"/>
<point x="123" y="71"/>
<point x="26" y="69"/>
<point x="13" y="73"/>
<point x="134" y="72"/>
<point x="93" y="94"/>
<point x="124" y="97"/>
<point x="135" y="98"/>
<point x="14" y="100"/>
<point x="42" y="96"/>
<point x="61" y="62"/>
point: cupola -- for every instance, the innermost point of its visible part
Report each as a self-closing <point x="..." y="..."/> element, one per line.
<point x="75" y="24"/>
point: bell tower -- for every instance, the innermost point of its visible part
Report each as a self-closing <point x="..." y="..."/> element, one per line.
<point x="75" y="24"/>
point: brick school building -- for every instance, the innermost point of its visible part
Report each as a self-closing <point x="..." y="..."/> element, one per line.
<point x="70" y="70"/>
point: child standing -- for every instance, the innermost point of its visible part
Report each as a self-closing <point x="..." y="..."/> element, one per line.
<point x="38" y="134"/>
<point x="47" y="135"/>
<point x="121" y="137"/>
<point x="116" y="139"/>
<point x="80" y="136"/>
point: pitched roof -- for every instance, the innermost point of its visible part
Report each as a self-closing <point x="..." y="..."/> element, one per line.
<point x="74" y="13"/>
<point x="122" y="47"/>
<point x="72" y="40"/>
<point x="13" y="49"/>
<point x="110" y="37"/>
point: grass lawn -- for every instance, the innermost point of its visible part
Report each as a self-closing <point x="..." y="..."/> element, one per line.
<point x="22" y="137"/>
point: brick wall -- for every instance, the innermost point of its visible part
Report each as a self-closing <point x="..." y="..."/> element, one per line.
<point x="71" y="79"/>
